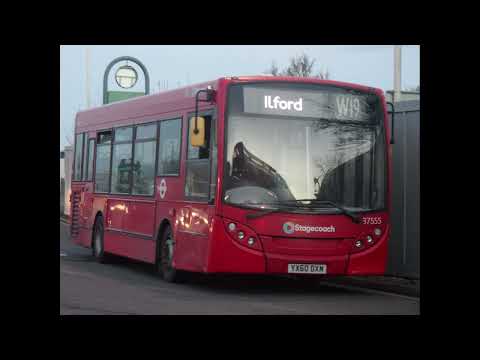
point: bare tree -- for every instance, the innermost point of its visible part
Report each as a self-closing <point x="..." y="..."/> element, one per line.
<point x="301" y="66"/>
<point x="69" y="140"/>
<point x="68" y="130"/>
<point x="68" y="134"/>
<point x="273" y="69"/>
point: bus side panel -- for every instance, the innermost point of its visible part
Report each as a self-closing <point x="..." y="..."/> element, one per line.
<point x="116" y="210"/>
<point x="129" y="246"/>
<point x="190" y="250"/>
<point x="140" y="218"/>
<point x="191" y="232"/>
<point x="192" y="237"/>
<point x="129" y="229"/>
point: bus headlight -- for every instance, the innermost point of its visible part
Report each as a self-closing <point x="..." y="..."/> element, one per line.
<point x="358" y="243"/>
<point x="369" y="240"/>
<point x="241" y="234"/>
<point x="377" y="232"/>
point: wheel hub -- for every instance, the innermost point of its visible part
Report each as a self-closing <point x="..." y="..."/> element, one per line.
<point x="169" y="246"/>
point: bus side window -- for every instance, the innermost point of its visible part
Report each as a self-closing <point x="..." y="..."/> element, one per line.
<point x="91" y="151"/>
<point x="102" y="161"/>
<point x="77" y="170"/>
<point x="169" y="147"/>
<point x="144" y="159"/>
<point x="122" y="160"/>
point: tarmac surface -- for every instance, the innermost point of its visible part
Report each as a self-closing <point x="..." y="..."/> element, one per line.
<point x="127" y="287"/>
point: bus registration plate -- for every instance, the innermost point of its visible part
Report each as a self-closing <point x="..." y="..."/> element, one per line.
<point x="307" y="268"/>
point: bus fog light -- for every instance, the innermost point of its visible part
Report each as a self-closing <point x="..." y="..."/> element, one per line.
<point x="377" y="231"/>
<point x="369" y="239"/>
<point x="251" y="241"/>
<point x="231" y="227"/>
<point x="241" y="235"/>
<point x="358" y="243"/>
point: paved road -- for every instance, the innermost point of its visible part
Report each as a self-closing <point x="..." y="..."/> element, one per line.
<point x="129" y="287"/>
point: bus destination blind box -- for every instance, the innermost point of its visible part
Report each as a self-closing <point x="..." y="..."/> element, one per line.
<point x="338" y="105"/>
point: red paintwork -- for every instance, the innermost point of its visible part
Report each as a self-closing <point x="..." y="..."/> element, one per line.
<point x="203" y="242"/>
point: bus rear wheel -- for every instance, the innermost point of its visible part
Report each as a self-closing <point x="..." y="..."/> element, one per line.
<point x="97" y="246"/>
<point x="165" y="258"/>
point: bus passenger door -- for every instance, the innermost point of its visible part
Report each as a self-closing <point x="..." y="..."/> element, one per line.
<point x="200" y="181"/>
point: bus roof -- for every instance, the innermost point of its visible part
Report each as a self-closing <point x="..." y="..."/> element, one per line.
<point x="144" y="108"/>
<point x="271" y="78"/>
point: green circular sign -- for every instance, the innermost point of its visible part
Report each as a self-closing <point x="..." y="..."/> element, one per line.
<point x="126" y="77"/>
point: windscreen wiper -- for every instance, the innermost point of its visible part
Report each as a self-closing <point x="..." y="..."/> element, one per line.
<point x="355" y="218"/>
<point x="263" y="212"/>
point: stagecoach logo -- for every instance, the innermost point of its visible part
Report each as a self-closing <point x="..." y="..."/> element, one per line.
<point x="276" y="103"/>
<point x="290" y="228"/>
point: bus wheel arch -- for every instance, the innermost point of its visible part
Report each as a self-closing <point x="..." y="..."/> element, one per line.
<point x="169" y="273"/>
<point x="98" y="245"/>
<point x="163" y="225"/>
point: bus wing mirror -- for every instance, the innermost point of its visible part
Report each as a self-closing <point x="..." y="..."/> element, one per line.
<point x="197" y="131"/>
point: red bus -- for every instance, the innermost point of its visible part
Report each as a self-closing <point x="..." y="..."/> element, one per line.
<point x="257" y="175"/>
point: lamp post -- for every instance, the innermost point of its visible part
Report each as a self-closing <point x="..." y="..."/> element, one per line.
<point x="87" y="76"/>
<point x="397" y="77"/>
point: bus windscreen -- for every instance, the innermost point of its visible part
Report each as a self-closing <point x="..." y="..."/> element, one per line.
<point x="299" y="141"/>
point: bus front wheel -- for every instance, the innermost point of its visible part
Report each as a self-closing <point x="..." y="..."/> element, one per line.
<point x="97" y="246"/>
<point x="165" y="257"/>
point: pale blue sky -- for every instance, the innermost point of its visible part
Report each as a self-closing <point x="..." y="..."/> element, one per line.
<point x="188" y="64"/>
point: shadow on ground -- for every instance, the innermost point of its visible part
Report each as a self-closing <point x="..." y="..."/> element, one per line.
<point x="121" y="268"/>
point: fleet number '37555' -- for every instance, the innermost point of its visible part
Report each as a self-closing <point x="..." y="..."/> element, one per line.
<point x="372" y="220"/>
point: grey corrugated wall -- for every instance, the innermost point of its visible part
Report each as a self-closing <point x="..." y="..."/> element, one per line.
<point x="404" y="247"/>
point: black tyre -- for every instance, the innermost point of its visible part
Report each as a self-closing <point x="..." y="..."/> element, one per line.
<point x="97" y="244"/>
<point x="165" y="252"/>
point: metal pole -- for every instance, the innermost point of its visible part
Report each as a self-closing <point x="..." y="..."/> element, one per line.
<point x="397" y="79"/>
<point x="308" y="159"/>
<point x="87" y="76"/>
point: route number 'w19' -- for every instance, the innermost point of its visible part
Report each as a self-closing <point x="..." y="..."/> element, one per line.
<point x="348" y="106"/>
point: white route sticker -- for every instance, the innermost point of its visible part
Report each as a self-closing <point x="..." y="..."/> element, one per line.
<point x="162" y="189"/>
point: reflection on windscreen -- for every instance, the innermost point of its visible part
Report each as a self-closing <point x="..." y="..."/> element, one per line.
<point x="292" y="158"/>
